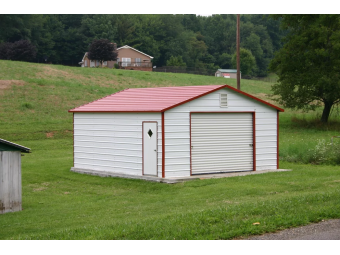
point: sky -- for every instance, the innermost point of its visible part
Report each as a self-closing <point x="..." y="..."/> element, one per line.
<point x="166" y="7"/>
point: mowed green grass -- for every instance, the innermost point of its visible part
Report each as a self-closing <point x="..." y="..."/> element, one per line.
<point x="59" y="204"/>
<point x="40" y="95"/>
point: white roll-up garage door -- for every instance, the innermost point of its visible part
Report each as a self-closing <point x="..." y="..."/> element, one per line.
<point x="221" y="142"/>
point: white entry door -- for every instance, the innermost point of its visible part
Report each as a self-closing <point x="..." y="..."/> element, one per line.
<point x="150" y="148"/>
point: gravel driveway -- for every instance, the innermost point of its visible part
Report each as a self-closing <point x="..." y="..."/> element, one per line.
<point x="325" y="230"/>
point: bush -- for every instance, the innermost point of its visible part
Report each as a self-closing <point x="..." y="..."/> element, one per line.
<point x="324" y="153"/>
<point x="21" y="50"/>
<point x="5" y="50"/>
<point x="116" y="66"/>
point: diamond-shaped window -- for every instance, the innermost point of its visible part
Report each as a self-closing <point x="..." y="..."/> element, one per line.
<point x="150" y="133"/>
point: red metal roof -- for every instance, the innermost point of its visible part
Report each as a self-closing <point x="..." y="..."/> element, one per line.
<point x="154" y="99"/>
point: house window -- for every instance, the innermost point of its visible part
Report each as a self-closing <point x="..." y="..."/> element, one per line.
<point x="105" y="63"/>
<point x="138" y="61"/>
<point x="92" y="63"/>
<point x="85" y="63"/>
<point x="126" y="61"/>
<point x="97" y="62"/>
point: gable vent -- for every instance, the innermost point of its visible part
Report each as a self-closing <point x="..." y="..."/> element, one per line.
<point x="223" y="100"/>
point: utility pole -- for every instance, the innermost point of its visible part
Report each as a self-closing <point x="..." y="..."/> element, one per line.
<point x="238" y="51"/>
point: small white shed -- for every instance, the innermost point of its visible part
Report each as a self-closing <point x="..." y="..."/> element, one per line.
<point x="176" y="132"/>
<point x="10" y="176"/>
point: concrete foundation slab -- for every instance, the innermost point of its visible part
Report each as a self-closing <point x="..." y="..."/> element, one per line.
<point x="172" y="180"/>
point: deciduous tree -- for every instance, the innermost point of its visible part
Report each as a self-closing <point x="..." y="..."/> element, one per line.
<point x="247" y="60"/>
<point x="175" y="61"/>
<point x="21" y="50"/>
<point x="308" y="65"/>
<point x="102" y="50"/>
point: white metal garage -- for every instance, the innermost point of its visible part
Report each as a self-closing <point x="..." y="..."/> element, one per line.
<point x="176" y="132"/>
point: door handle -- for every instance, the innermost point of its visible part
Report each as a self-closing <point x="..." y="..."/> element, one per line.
<point x="155" y="150"/>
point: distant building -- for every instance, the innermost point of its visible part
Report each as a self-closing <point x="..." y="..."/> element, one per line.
<point x="227" y="73"/>
<point x="128" y="58"/>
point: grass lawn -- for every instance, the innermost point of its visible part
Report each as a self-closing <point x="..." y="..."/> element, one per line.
<point x="59" y="204"/>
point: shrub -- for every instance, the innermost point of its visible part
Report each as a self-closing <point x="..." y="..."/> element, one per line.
<point x="324" y="153"/>
<point x="21" y="50"/>
<point x="5" y="50"/>
<point x="116" y="66"/>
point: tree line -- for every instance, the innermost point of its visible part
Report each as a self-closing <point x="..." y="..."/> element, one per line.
<point x="185" y="39"/>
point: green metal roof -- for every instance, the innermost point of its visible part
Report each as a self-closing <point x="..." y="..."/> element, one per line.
<point x="9" y="146"/>
<point x="227" y="70"/>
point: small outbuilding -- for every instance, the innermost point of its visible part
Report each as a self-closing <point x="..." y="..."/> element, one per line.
<point x="10" y="176"/>
<point x="176" y="132"/>
<point x="227" y="73"/>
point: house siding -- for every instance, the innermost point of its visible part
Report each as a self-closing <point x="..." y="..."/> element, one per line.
<point x="130" y="53"/>
<point x="177" y="130"/>
<point x="112" y="142"/>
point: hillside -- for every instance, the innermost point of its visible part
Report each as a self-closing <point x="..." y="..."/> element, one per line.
<point x="38" y="96"/>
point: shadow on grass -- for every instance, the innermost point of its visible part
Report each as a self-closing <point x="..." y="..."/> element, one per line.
<point x="315" y="123"/>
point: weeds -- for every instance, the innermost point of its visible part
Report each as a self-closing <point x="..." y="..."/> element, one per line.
<point x="315" y="123"/>
<point x="323" y="153"/>
<point x="26" y="106"/>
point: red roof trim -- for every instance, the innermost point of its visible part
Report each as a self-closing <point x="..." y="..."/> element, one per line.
<point x="180" y="103"/>
<point x="193" y="98"/>
<point x="257" y="99"/>
<point x="229" y="87"/>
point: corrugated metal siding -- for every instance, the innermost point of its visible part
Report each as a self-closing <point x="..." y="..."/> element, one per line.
<point x="177" y="130"/>
<point x="221" y="142"/>
<point x="10" y="180"/>
<point x="112" y="141"/>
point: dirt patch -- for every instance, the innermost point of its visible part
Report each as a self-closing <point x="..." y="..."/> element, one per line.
<point x="47" y="70"/>
<point x="41" y="187"/>
<point x="262" y="96"/>
<point x="49" y="134"/>
<point x="266" y="98"/>
<point x="6" y="84"/>
<point x="54" y="99"/>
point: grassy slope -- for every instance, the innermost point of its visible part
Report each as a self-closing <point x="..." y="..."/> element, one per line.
<point x="59" y="204"/>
